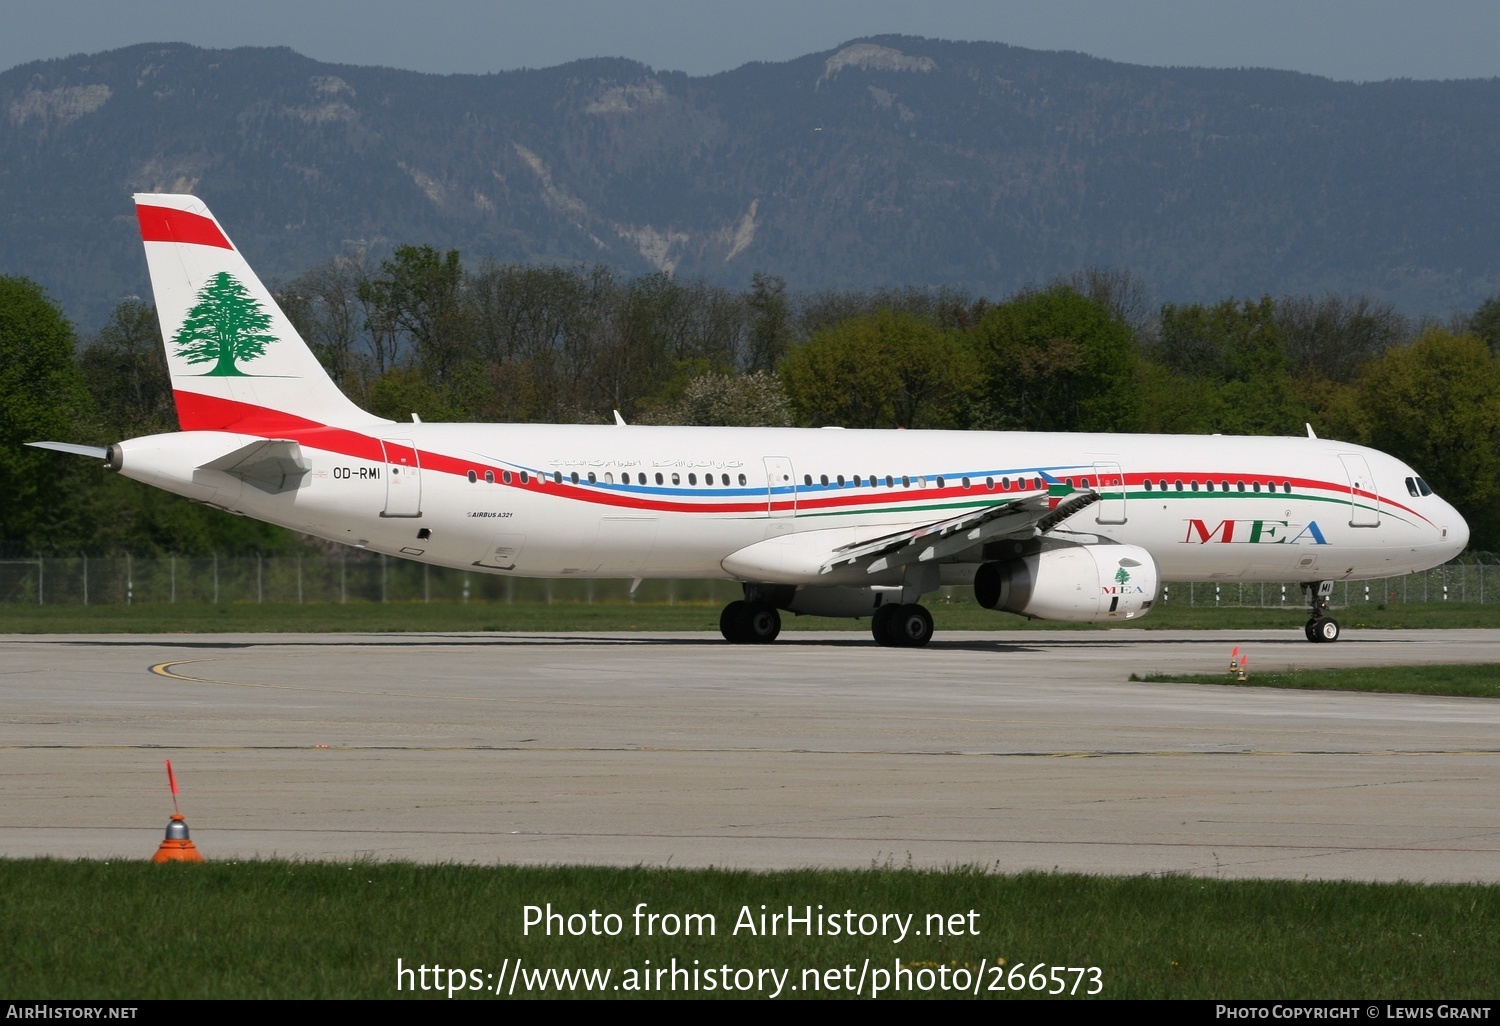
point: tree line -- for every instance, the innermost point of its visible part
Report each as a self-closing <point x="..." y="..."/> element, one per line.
<point x="422" y="333"/>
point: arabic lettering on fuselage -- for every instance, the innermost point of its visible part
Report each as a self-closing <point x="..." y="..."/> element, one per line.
<point x="686" y="464"/>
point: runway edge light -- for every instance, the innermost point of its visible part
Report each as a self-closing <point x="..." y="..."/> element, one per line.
<point x="177" y="846"/>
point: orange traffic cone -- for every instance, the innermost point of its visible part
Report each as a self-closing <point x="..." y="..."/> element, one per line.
<point x="177" y="846"/>
<point x="1243" y="677"/>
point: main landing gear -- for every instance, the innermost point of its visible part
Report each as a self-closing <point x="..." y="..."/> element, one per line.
<point x="902" y="626"/>
<point x="1320" y="626"/>
<point x="757" y="621"/>
<point x="746" y="623"/>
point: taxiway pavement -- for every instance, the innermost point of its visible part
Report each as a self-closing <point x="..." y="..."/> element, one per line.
<point x="1011" y="750"/>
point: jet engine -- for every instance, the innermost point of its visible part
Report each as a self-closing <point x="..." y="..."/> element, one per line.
<point x="1081" y="583"/>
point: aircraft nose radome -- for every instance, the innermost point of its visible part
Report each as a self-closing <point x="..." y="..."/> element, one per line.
<point x="1458" y="534"/>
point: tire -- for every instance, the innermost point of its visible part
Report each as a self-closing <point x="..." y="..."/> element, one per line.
<point x="761" y="622"/>
<point x="882" y="627"/>
<point x="1328" y="629"/>
<point x="912" y="626"/>
<point x="733" y="622"/>
<point x="1311" y="630"/>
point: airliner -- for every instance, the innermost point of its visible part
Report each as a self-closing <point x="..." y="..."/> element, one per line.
<point x="828" y="522"/>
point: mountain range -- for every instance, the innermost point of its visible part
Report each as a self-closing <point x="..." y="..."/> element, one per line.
<point x="890" y="161"/>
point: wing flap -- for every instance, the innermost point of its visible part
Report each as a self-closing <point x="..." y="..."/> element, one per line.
<point x="1027" y="517"/>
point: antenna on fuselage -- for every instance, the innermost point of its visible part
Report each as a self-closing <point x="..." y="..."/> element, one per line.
<point x="1310" y="431"/>
<point x="619" y="420"/>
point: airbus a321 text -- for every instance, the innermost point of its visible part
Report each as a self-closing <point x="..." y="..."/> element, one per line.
<point x="1081" y="527"/>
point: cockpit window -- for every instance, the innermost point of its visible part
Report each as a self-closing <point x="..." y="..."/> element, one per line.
<point x="1423" y="486"/>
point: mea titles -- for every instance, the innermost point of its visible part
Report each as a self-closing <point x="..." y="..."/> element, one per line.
<point x="805" y="922"/>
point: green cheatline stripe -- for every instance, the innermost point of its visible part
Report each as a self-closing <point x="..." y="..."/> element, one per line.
<point x="973" y="504"/>
<point x="903" y="509"/>
<point x="1339" y="500"/>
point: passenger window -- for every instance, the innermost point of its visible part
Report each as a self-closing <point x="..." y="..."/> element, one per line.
<point x="1286" y="486"/>
<point x="525" y="477"/>
<point x="659" y="478"/>
<point x="505" y="476"/>
<point x="989" y="483"/>
<point x="1194" y="485"/>
<point x="905" y="481"/>
<point x="1209" y="485"/>
<point x="966" y="482"/>
<point x="1178" y="483"/>
<point x="574" y="476"/>
<point x="841" y="480"/>
<point x="692" y="479"/>
<point x="807" y="480"/>
<point x="557" y="477"/>
<point x="1240" y="485"/>
<point x="676" y="478"/>
<point x="890" y="482"/>
<point x="742" y="479"/>
<point x="823" y="480"/>
<point x="592" y="478"/>
<point x="1148" y="484"/>
<point x="475" y="477"/>
<point x="489" y="477"/>
<point x="608" y="478"/>
<point x="1255" y="486"/>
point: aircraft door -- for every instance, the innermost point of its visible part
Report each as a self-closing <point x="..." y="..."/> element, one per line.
<point x="1110" y="483"/>
<point x="403" y="478"/>
<point x="781" y="488"/>
<point x="1364" y="503"/>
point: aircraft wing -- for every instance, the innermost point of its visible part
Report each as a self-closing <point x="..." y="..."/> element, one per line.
<point x="1029" y="517"/>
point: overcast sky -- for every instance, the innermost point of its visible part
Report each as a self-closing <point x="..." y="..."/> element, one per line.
<point x="1359" y="40"/>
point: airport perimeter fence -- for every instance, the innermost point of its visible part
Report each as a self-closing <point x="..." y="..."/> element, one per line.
<point x="356" y="576"/>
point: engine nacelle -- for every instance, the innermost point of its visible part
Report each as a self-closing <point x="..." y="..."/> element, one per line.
<point x="1081" y="583"/>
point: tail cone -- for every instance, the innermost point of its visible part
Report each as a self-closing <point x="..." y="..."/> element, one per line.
<point x="177" y="846"/>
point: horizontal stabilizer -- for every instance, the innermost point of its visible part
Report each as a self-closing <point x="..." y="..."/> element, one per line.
<point x="98" y="452"/>
<point x="273" y="466"/>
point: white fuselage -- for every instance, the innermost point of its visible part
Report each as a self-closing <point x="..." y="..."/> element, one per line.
<point x="658" y="502"/>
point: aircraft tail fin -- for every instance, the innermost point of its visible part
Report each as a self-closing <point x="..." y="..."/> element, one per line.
<point x="237" y="363"/>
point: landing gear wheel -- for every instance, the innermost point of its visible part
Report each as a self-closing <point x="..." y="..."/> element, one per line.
<point x="733" y="622"/>
<point x="1325" y="629"/>
<point x="1311" y="630"/>
<point x="883" y="627"/>
<point x="761" y="622"/>
<point x="912" y="626"/>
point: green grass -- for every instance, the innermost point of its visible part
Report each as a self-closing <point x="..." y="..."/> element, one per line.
<point x="1481" y="681"/>
<point x="249" y="617"/>
<point x="292" y="930"/>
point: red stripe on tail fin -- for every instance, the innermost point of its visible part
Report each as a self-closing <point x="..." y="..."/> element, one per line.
<point x="163" y="224"/>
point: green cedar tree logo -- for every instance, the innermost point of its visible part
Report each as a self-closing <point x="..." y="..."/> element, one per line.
<point x="1122" y="576"/>
<point x="226" y="324"/>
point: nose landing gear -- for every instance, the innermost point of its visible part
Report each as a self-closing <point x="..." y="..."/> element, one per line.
<point x="1320" y="626"/>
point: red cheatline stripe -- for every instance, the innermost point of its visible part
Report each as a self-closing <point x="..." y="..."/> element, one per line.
<point x="165" y="224"/>
<point x="198" y="412"/>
